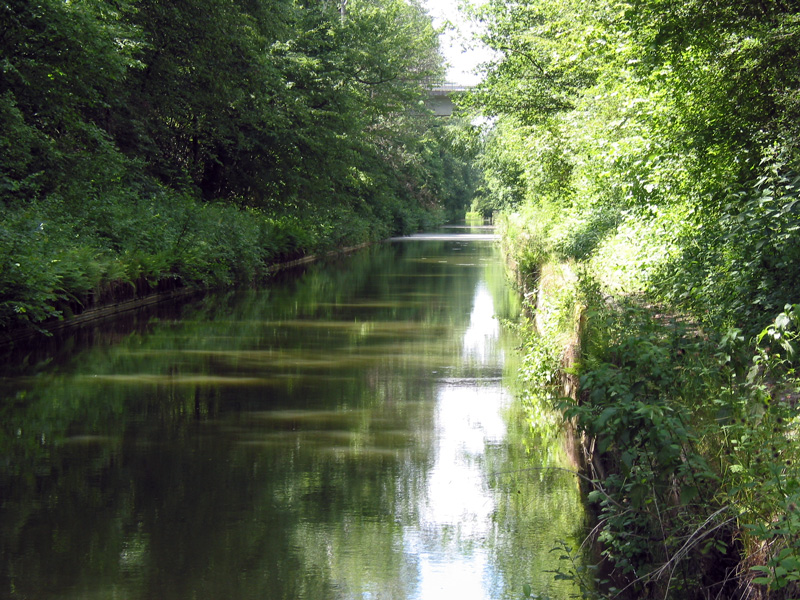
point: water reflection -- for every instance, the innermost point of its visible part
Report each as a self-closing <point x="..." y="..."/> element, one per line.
<point x="456" y="514"/>
<point x="484" y="329"/>
<point x="345" y="434"/>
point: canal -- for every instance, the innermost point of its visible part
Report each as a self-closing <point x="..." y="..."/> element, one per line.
<point x="350" y="431"/>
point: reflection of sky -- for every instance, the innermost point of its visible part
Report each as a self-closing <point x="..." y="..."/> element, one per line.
<point x="484" y="329"/>
<point x="457" y="515"/>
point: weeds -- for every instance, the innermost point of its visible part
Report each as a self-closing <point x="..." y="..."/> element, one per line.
<point x="692" y="439"/>
<point x="57" y="258"/>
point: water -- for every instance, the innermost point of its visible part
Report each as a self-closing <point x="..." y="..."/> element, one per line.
<point x="349" y="432"/>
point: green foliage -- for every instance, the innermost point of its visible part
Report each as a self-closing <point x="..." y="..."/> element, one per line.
<point x="585" y="576"/>
<point x="744" y="254"/>
<point x="692" y="441"/>
<point x="525" y="243"/>
<point x="536" y="74"/>
<point x="636" y="408"/>
<point x="62" y="64"/>
<point x="58" y="261"/>
<point x="142" y="150"/>
<point x="655" y="142"/>
<point x="661" y="112"/>
<point x="761" y="455"/>
<point x="540" y="375"/>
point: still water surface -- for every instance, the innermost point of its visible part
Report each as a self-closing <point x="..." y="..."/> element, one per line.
<point x="349" y="432"/>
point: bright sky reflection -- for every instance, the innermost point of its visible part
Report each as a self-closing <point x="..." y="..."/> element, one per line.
<point x="345" y="433"/>
<point x="483" y="329"/>
<point x="456" y="516"/>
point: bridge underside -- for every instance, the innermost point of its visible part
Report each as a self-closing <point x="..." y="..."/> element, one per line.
<point x="440" y="98"/>
<point x="441" y="105"/>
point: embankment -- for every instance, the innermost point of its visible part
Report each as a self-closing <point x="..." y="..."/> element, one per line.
<point x="685" y="435"/>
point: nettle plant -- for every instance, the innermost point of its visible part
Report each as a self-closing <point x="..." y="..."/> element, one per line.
<point x="761" y="447"/>
<point x="696" y="450"/>
<point x="655" y="485"/>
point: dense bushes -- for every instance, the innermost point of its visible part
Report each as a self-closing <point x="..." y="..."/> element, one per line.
<point x="57" y="259"/>
<point x="651" y="148"/>
<point x="689" y="436"/>
<point x="643" y="115"/>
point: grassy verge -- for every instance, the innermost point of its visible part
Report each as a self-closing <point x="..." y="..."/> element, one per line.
<point x="57" y="259"/>
<point x="690" y="432"/>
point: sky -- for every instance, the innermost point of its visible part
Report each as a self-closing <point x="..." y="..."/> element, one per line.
<point x="463" y="53"/>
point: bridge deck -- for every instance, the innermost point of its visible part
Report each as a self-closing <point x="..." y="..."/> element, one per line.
<point x="443" y="89"/>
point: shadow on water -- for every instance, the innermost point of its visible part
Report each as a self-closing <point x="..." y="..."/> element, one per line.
<point x="348" y="432"/>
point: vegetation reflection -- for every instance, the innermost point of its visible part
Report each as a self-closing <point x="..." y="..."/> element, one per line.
<point x="295" y="442"/>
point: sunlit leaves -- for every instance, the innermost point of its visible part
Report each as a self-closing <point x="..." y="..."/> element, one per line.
<point x="544" y="59"/>
<point x="658" y="104"/>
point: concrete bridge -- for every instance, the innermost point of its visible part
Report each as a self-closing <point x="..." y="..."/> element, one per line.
<point x="440" y="97"/>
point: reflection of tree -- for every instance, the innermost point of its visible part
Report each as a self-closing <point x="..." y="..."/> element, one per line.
<point x="533" y="492"/>
<point x="107" y="450"/>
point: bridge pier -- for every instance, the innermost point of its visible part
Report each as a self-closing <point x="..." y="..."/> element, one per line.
<point x="440" y="98"/>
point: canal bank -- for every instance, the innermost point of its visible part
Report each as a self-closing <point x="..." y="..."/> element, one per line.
<point x="686" y="438"/>
<point x="119" y="298"/>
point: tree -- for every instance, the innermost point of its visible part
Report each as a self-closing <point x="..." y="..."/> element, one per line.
<point x="63" y="65"/>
